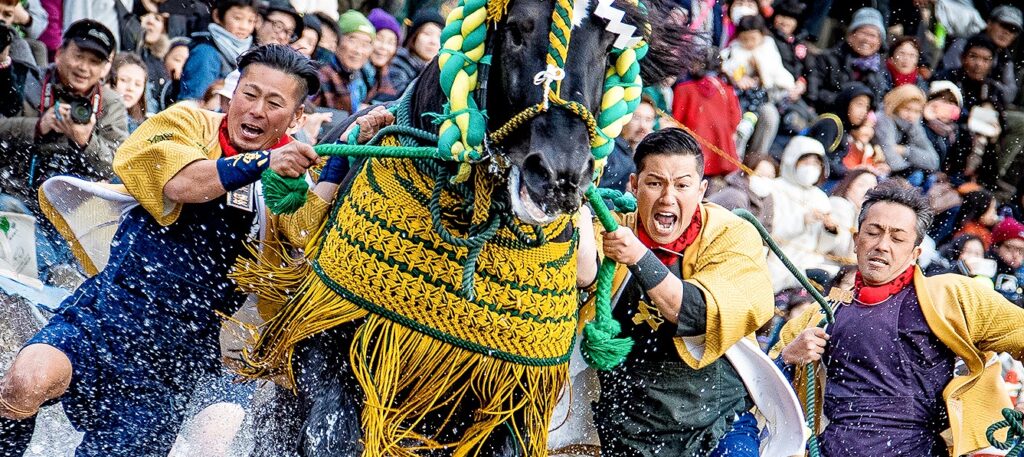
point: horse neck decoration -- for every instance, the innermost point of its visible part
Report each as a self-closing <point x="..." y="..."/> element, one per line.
<point x="463" y="296"/>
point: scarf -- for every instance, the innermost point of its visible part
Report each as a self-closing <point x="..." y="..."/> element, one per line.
<point x="678" y="246"/>
<point x="869" y="64"/>
<point x="873" y="295"/>
<point x="898" y="78"/>
<point x="229" y="150"/>
<point x="228" y="44"/>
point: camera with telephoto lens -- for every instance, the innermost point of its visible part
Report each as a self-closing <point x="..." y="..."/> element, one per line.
<point x="81" y="111"/>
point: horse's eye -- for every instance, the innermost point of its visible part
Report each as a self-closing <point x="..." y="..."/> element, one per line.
<point x="515" y="36"/>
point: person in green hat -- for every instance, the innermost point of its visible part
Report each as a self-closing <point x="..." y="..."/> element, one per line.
<point x="347" y="76"/>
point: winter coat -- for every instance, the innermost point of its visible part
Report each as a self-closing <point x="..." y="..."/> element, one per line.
<point x="697" y="101"/>
<point x="763" y="62"/>
<point x="891" y="131"/>
<point x="405" y="67"/>
<point x="1003" y="68"/>
<point x="14" y="78"/>
<point x="831" y="71"/>
<point x="805" y="244"/>
<point x="793" y="52"/>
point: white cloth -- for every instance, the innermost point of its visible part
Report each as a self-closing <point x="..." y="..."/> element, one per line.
<point x="328" y="7"/>
<point x="806" y="245"/>
<point x="102" y="11"/>
<point x="763" y="62"/>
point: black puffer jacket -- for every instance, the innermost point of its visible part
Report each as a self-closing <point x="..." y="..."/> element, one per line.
<point x="831" y="71"/>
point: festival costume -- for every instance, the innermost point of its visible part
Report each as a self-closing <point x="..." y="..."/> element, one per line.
<point x="676" y="394"/>
<point x="958" y="318"/>
<point x="142" y="331"/>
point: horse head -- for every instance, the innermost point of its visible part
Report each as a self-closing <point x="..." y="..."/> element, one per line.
<point x="547" y="161"/>
<point x="550" y="161"/>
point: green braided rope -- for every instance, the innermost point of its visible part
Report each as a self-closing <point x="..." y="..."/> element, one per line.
<point x="601" y="346"/>
<point x="464" y="128"/>
<point x="810" y="407"/>
<point x="463" y="41"/>
<point x="1012" y="421"/>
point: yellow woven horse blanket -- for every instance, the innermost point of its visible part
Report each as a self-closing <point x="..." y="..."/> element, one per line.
<point x="424" y="345"/>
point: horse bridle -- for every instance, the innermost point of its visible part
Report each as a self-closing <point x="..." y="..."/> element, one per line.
<point x="463" y="130"/>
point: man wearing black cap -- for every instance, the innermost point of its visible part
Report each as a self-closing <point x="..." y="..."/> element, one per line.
<point x="68" y="124"/>
<point x="1004" y="26"/>
<point x="279" y="23"/>
<point x="74" y="122"/>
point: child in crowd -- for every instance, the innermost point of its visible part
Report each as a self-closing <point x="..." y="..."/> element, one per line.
<point x="753" y="61"/>
<point x="128" y="77"/>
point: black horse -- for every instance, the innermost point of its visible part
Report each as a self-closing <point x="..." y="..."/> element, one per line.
<point x="549" y="160"/>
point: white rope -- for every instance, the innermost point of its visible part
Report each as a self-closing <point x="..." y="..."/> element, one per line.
<point x="545" y="78"/>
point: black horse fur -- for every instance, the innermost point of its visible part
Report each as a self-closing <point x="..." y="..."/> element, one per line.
<point x="553" y="156"/>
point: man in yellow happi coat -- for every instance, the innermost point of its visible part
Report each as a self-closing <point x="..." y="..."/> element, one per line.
<point x="692" y="282"/>
<point x="886" y="380"/>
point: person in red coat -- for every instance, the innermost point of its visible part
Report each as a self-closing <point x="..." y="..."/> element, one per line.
<point x="707" y="104"/>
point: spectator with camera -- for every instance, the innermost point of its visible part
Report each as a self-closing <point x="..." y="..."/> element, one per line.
<point x="73" y="122"/>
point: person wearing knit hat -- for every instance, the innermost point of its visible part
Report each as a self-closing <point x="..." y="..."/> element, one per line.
<point x="346" y="78"/>
<point x="422" y="43"/>
<point x="901" y="134"/>
<point x="1008" y="251"/>
<point x="356" y="41"/>
<point x="857" y="58"/>
<point x="389" y="33"/>
<point x="868" y="16"/>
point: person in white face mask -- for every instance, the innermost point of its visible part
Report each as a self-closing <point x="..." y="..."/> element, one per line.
<point x="802" y="221"/>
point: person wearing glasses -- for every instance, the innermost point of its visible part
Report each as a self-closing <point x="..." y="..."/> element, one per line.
<point x="279" y="23"/>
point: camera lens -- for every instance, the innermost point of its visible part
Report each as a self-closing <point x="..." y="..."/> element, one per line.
<point x="81" y="112"/>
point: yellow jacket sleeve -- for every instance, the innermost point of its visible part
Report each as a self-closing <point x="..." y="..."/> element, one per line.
<point x="159" y="149"/>
<point x="729" y="268"/>
<point x="994" y="323"/>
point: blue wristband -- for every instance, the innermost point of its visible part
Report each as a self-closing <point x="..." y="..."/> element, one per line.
<point x="241" y="170"/>
<point x="334" y="170"/>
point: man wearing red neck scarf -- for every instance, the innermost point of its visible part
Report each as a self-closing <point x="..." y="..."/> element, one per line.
<point x="145" y="329"/>
<point x="888" y="360"/>
<point x="692" y="281"/>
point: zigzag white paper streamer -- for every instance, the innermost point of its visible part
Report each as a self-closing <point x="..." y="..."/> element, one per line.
<point x="613" y="15"/>
<point x="579" y="11"/>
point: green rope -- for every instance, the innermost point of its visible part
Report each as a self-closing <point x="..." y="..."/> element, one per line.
<point x="811" y="407"/>
<point x="1012" y="421"/>
<point x="601" y="346"/>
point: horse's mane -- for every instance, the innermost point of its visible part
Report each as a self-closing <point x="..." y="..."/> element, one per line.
<point x="673" y="47"/>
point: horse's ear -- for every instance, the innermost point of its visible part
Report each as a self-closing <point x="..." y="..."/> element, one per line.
<point x="673" y="47"/>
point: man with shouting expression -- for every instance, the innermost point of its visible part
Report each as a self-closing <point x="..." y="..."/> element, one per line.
<point x="692" y="282"/>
